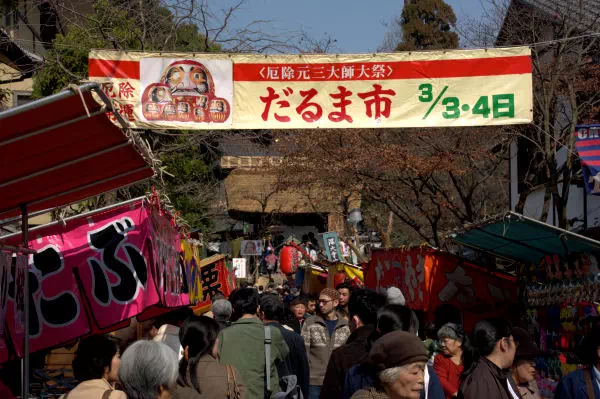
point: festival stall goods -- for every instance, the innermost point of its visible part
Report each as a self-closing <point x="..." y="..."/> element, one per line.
<point x="56" y="151"/>
<point x="429" y="278"/>
<point x="559" y="284"/>
<point x="96" y="270"/>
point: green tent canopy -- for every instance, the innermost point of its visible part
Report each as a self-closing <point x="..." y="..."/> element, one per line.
<point x="517" y="237"/>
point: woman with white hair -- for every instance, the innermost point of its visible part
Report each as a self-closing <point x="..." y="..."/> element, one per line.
<point x="401" y="359"/>
<point x="148" y="370"/>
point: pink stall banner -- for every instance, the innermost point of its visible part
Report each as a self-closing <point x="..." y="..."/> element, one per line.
<point x="93" y="272"/>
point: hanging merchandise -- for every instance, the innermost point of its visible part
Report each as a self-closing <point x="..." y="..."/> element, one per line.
<point x="561" y="297"/>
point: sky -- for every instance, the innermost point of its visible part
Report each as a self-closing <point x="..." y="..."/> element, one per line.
<point x="358" y="26"/>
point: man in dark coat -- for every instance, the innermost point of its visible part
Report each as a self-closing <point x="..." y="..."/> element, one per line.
<point x="271" y="309"/>
<point x="583" y="384"/>
<point x="363" y="307"/>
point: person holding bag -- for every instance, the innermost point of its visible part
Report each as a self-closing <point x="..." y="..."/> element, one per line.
<point x="200" y="376"/>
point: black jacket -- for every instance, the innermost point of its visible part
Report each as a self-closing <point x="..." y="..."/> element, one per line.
<point x="297" y="360"/>
<point x="295" y="324"/>
<point x="353" y="352"/>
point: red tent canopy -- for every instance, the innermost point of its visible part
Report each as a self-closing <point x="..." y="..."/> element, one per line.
<point x="62" y="149"/>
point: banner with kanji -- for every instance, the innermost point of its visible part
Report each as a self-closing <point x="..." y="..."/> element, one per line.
<point x="95" y="271"/>
<point x="239" y="91"/>
<point x="429" y="278"/>
<point x="214" y="278"/>
<point x="588" y="148"/>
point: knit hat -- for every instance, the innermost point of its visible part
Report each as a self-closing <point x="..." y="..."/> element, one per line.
<point x="330" y="292"/>
<point x="397" y="348"/>
<point x="395" y="296"/>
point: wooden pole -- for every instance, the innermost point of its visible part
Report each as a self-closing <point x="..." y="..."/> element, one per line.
<point x="25" y="360"/>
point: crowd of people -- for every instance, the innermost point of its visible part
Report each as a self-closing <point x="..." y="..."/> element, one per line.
<point x="357" y="344"/>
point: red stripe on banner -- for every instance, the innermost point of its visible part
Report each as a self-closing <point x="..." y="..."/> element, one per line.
<point x="591" y="163"/>
<point x="114" y="69"/>
<point x="587" y="143"/>
<point x="383" y="70"/>
<point x="591" y="153"/>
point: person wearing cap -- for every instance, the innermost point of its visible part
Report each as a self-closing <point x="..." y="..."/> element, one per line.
<point x="521" y="380"/>
<point x="395" y="296"/>
<point x="298" y="308"/>
<point x="323" y="333"/>
<point x="401" y="359"/>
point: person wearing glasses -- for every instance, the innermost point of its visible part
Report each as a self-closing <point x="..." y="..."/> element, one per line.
<point x="487" y="358"/>
<point x="449" y="365"/>
<point x="323" y="333"/>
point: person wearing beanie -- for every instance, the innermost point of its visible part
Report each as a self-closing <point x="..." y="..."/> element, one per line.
<point x="400" y="358"/>
<point x="323" y="333"/>
<point x="395" y="296"/>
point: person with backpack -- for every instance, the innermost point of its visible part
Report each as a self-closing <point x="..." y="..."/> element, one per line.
<point x="271" y="308"/>
<point x="244" y="345"/>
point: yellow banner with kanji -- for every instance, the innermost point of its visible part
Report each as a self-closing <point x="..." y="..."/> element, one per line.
<point x="223" y="91"/>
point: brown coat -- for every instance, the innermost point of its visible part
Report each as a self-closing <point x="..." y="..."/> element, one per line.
<point x="370" y="393"/>
<point x="94" y="389"/>
<point x="212" y="379"/>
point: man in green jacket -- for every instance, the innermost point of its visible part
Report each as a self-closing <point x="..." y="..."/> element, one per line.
<point x="242" y="345"/>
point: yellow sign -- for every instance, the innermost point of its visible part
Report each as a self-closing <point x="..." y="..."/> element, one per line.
<point x="221" y="91"/>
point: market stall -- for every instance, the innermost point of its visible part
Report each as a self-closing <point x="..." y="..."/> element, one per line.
<point x="429" y="278"/>
<point x="558" y="279"/>
<point x="56" y="151"/>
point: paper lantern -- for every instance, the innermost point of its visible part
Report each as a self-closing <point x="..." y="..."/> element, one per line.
<point x="289" y="257"/>
<point x="339" y="278"/>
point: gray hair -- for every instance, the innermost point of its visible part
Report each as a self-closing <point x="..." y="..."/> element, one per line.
<point x="452" y="331"/>
<point x="390" y="375"/>
<point x="222" y="309"/>
<point x="145" y="367"/>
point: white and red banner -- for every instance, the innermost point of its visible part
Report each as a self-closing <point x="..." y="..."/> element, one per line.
<point x="421" y="89"/>
<point x="94" y="273"/>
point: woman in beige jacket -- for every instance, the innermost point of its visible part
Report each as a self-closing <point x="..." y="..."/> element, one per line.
<point x="95" y="366"/>
<point x="200" y="376"/>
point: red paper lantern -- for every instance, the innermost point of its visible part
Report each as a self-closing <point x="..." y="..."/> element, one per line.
<point x="289" y="257"/>
<point x="339" y="278"/>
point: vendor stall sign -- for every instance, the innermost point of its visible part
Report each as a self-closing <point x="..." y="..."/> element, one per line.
<point x="223" y="91"/>
<point x="332" y="246"/>
<point x="429" y="278"/>
<point x="588" y="148"/>
<point x="96" y="271"/>
<point x="214" y="279"/>
<point x="251" y="248"/>
<point x="239" y="266"/>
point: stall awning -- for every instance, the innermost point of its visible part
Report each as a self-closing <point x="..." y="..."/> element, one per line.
<point x="517" y="237"/>
<point x="62" y="149"/>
